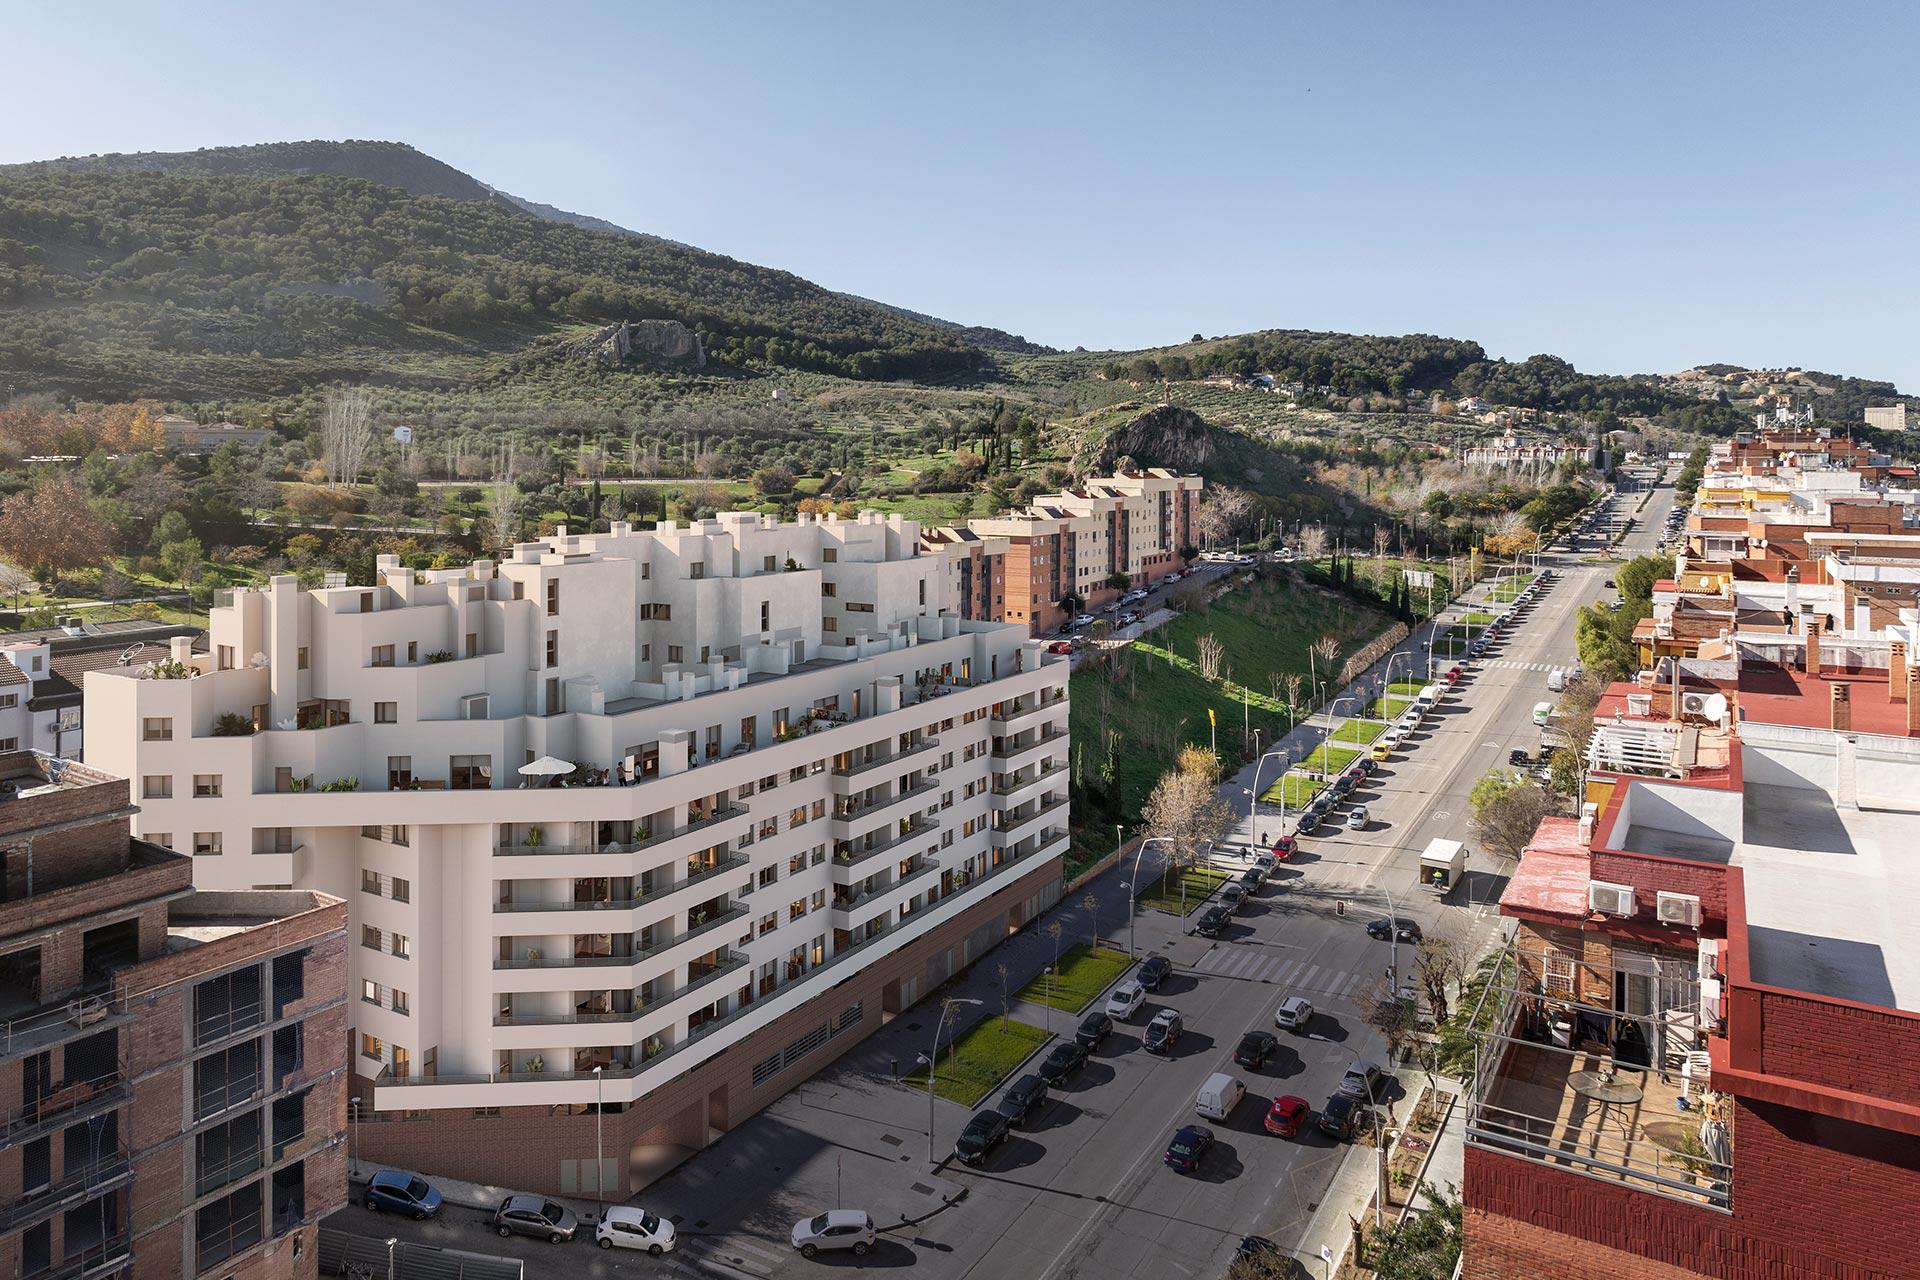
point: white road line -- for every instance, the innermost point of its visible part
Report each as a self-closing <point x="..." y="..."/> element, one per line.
<point x="1310" y="977"/>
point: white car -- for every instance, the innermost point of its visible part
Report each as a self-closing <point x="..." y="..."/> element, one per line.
<point x="627" y="1226"/>
<point x="1294" y="1013"/>
<point x="1126" y="1000"/>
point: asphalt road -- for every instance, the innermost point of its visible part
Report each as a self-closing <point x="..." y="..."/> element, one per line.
<point x="1084" y="1193"/>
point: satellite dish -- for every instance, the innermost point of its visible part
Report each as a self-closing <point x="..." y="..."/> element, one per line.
<point x="1716" y="707"/>
<point x="128" y="654"/>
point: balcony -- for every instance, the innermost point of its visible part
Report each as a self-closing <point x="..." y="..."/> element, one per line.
<point x="79" y="1186"/>
<point x="732" y="964"/>
<point x="1025" y="713"/>
<point x="105" y="1257"/>
<point x="653" y="840"/>
<point x="570" y="914"/>
<point x="1006" y="787"/>
<point x="1016" y="824"/>
<point x="67" y="1103"/>
<point x="732" y="912"/>
<point x="44" y="1028"/>
<point x="897" y="758"/>
<point x="876" y="812"/>
<point x="1011" y="756"/>
<point x="916" y="831"/>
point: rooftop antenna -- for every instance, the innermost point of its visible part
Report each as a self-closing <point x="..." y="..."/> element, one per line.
<point x="128" y="654"/>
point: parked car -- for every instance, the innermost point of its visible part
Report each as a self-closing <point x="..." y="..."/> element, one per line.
<point x="987" y="1130"/>
<point x="1382" y="750"/>
<point x="1519" y="758"/>
<point x="1125" y="1000"/>
<point x="1163" y="1032"/>
<point x="1255" y="1048"/>
<point x="1294" y="1013"/>
<point x="1357" y="818"/>
<point x="834" y="1229"/>
<point x="1283" y="848"/>
<point x="1218" y="1095"/>
<point x="1398" y="927"/>
<point x="1233" y="895"/>
<point x="1286" y="1114"/>
<point x="405" y="1193"/>
<point x="1060" y="646"/>
<point x="1188" y="1148"/>
<point x="1152" y="972"/>
<point x="1092" y="1030"/>
<point x="626" y="1226"/>
<point x="535" y="1216"/>
<point x="1360" y="770"/>
<point x="1340" y="1116"/>
<point x="1023" y="1097"/>
<point x="1213" y="921"/>
<point x="1362" y="1079"/>
<point x="1252" y="878"/>
<point x="1066" y="1058"/>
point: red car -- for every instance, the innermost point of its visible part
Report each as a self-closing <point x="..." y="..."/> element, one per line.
<point x="1286" y="1115"/>
<point x="1059" y="646"/>
<point x="1453" y="676"/>
<point x="1283" y="848"/>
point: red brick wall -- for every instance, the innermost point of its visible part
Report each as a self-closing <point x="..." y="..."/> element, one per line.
<point x="1841" y="1046"/>
<point x="1652" y="875"/>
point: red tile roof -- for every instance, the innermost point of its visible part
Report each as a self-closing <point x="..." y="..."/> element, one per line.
<point x="1553" y="873"/>
<point x="1778" y="695"/>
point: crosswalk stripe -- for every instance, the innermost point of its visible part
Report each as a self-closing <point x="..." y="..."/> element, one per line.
<point x="1308" y="978"/>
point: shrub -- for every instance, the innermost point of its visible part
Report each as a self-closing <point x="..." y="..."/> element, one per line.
<point x="231" y="724"/>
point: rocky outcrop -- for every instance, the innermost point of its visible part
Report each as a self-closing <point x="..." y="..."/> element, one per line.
<point x="667" y="339"/>
<point x="1165" y="436"/>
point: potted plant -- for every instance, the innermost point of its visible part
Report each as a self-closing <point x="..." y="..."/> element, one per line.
<point x="533" y="837"/>
<point x="440" y="655"/>
<point x="533" y="955"/>
<point x="231" y="724"/>
<point x="536" y="1064"/>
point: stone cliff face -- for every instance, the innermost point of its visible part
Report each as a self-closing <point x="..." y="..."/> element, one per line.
<point x="668" y="339"/>
<point x="1166" y="436"/>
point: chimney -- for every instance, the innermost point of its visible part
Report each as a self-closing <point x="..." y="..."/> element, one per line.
<point x="1673" y="712"/>
<point x="1793" y="591"/>
<point x="1814" y="625"/>
<point x="1897" y="671"/>
<point x="1840" y="709"/>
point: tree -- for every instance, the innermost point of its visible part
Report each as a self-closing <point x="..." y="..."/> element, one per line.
<point x="1071" y="603"/>
<point x="1439" y="962"/>
<point x="1313" y="543"/>
<point x="1119" y="581"/>
<point x="1507" y="809"/>
<point x="1636" y="577"/>
<point x="182" y="559"/>
<point x="1324" y="651"/>
<point x="774" y="482"/>
<point x="13" y="581"/>
<point x="1210" y="653"/>
<point x="1598" y="642"/>
<point x="1224" y="515"/>
<point x="346" y="433"/>
<point x="1424" y="1245"/>
<point x="1185" y="812"/>
<point x="1563" y="771"/>
<point x="52" y="529"/>
<point x="502" y="507"/>
<point x="144" y="433"/>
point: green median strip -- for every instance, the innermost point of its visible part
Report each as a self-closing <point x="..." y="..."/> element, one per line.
<point x="1163" y="893"/>
<point x="1083" y="974"/>
<point x="979" y="1059"/>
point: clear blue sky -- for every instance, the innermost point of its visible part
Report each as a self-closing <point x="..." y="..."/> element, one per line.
<point x="1637" y="187"/>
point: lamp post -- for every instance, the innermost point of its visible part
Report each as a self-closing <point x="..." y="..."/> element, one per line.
<point x="599" y="1149"/>
<point x="1133" y="890"/>
<point x="391" y="1242"/>
<point x="933" y="1061"/>
<point x="1253" y="804"/>
<point x="1331" y="707"/>
<point x="353" y="1133"/>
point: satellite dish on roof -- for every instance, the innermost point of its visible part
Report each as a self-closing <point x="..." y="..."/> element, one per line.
<point x="128" y="654"/>
<point x="1715" y="708"/>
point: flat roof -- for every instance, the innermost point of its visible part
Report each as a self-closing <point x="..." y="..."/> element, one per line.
<point x="1553" y="872"/>
<point x="1832" y="896"/>
<point x="1781" y="695"/>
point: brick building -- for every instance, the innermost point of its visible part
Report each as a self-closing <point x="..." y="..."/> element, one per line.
<point x="172" y="1063"/>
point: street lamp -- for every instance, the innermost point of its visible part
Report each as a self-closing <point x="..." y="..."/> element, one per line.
<point x="1332" y="707"/>
<point x="1133" y="892"/>
<point x="391" y="1242"/>
<point x="1253" y="805"/>
<point x="599" y="1149"/>
<point x="353" y="1133"/>
<point x="932" y="1060"/>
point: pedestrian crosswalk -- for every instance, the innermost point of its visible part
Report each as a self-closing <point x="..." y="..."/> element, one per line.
<point x="1508" y="664"/>
<point x="1250" y="964"/>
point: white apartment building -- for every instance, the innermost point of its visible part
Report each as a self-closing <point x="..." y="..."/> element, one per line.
<point x="806" y="791"/>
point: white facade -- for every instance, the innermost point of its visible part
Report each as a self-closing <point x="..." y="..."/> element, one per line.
<point x="829" y="762"/>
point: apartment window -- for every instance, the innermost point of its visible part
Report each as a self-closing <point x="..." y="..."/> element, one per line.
<point x="370" y="991"/>
<point x="370" y="1047"/>
<point x="646" y="573"/>
<point x="656" y="611"/>
<point x="401" y="1005"/>
<point x="697" y="569"/>
<point x="162" y="838"/>
<point x="399" y="772"/>
<point x="923" y="591"/>
<point x="830" y="555"/>
<point x="402" y="890"/>
<point x="769" y="922"/>
<point x="646" y="653"/>
<point x="156" y="786"/>
<point x="206" y="786"/>
<point x="855" y="606"/>
<point x="370" y="937"/>
<point x="382" y="655"/>
<point x="273" y="840"/>
<point x="473" y="644"/>
<point x="486" y="1113"/>
<point x="768" y="564"/>
<point x="828" y="590"/>
<point x="8" y="700"/>
<point x="369" y="881"/>
<point x="768" y="876"/>
<point x="553" y="648"/>
<point x="157" y="729"/>
<point x="400" y="945"/>
<point x="797" y="908"/>
<point x="386" y="712"/>
<point x="553" y="597"/>
<point x="766" y="616"/>
<point x="829" y="624"/>
<point x="675" y="654"/>
<point x="470" y="773"/>
<point x="301" y="662"/>
<point x="224" y="657"/>
<point x="413" y="651"/>
<point x="206" y="842"/>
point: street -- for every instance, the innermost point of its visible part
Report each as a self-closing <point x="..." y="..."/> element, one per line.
<point x="1084" y="1192"/>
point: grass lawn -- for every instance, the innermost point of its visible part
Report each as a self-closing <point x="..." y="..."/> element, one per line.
<point x="1084" y="974"/>
<point x="1296" y="788"/>
<point x="1507" y="588"/>
<point x="1478" y="618"/>
<point x="1386" y="708"/>
<point x="1458" y="636"/>
<point x="978" y="1060"/>
<point x="1164" y="893"/>
<point x="1360" y="731"/>
<point x="1328" y="758"/>
<point x="1411" y="688"/>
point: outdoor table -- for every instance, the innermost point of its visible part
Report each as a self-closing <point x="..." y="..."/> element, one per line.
<point x="1605" y="1089"/>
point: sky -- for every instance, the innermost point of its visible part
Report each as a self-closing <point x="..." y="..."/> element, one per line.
<point x="1635" y="187"/>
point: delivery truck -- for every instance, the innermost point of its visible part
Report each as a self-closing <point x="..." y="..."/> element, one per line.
<point x="1442" y="863"/>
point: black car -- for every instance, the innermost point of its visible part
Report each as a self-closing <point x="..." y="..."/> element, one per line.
<point x="1163" y="1032"/>
<point x="1519" y="758"/>
<point x="1153" y="971"/>
<point x="1188" y="1148"/>
<point x="1024" y="1097"/>
<point x="1067" y="1057"/>
<point x="1255" y="1048"/>
<point x="1093" y="1029"/>
<point x="1363" y="767"/>
<point x="1253" y="878"/>
<point x="1341" y="785"/>
<point x="987" y="1130"/>
<point x="1213" y="921"/>
<point x="1405" y="929"/>
<point x="1340" y="1116"/>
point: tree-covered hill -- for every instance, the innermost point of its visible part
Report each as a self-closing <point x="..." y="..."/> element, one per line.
<point x="120" y="281"/>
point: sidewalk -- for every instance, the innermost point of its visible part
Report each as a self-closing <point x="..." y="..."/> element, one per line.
<point x="469" y="1195"/>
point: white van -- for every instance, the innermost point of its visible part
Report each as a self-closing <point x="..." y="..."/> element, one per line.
<point x="1542" y="712"/>
<point x="1556" y="680"/>
<point x="1219" y="1096"/>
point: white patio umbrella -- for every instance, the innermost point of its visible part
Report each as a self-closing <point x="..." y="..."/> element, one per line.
<point x="546" y="767"/>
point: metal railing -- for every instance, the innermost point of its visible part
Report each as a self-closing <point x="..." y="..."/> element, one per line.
<point x="209" y="1178"/>
<point x="631" y="846"/>
<point x="340" y="1250"/>
<point x="858" y="767"/>
<point x="19" y="1034"/>
<point x="854" y="857"/>
<point x="867" y="808"/>
<point x="622" y="904"/>
<point x="116" y="1250"/>
<point x="734" y="911"/>
<point x="63" y="1099"/>
<point x="232" y="1093"/>
<point x="78" y="1185"/>
<point x="228" y="1022"/>
<point x="732" y="964"/>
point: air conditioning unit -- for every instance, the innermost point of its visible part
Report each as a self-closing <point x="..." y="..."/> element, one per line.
<point x="1678" y="908"/>
<point x="1613" y="899"/>
<point x="1694" y="704"/>
<point x="1709" y="958"/>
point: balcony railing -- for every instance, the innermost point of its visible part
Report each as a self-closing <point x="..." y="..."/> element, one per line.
<point x="113" y="1252"/>
<point x="622" y="904"/>
<point x="734" y="911"/>
<point x="226" y="1095"/>
<point x="894" y="757"/>
<point x="631" y="846"/>
<point x="79" y="1186"/>
<point x="48" y="1026"/>
<point x="854" y="857"/>
<point x="732" y="964"/>
<point x="65" y="1099"/>
<point x="865" y="808"/>
<point x="220" y="1023"/>
<point x="230" y="1169"/>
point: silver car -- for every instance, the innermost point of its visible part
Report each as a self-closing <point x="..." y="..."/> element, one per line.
<point x="834" y="1229"/>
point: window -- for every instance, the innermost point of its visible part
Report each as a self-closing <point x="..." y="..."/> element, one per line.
<point x="697" y="570"/>
<point x="400" y="1003"/>
<point x="470" y="773"/>
<point x="206" y="786"/>
<point x="486" y="1113"/>
<point x="674" y="653"/>
<point x="369" y="991"/>
<point x="855" y="606"/>
<point x="273" y="839"/>
<point x="399" y="772"/>
<point x="402" y="889"/>
<point x="768" y="564"/>
<point x="923" y="591"/>
<point x="656" y="612"/>
<point x="646" y="573"/>
<point x="223" y="657"/>
<point x="302" y="662"/>
<point x="766" y="616"/>
<point x="553" y="597"/>
<point x="828" y="590"/>
<point x="413" y="651"/>
<point x="473" y="644"/>
<point x="9" y="700"/>
<point x="370" y="1047"/>
<point x="830" y="555"/>
<point x="768" y="876"/>
<point x="829" y="624"/>
<point x="369" y="881"/>
<point x="206" y="842"/>
<point x="769" y="922"/>
<point x="400" y="945"/>
<point x="157" y="729"/>
<point x="797" y="908"/>
<point x="370" y="937"/>
<point x="157" y="786"/>
<point x="553" y="648"/>
<point x="382" y="655"/>
<point x="162" y="838"/>
<point x="386" y="712"/>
